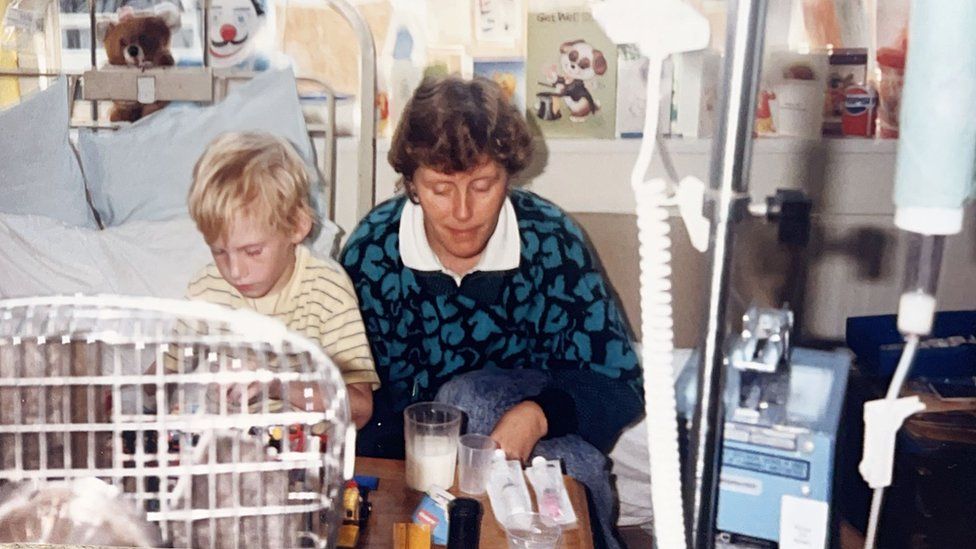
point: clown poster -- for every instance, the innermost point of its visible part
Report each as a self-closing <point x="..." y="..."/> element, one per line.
<point x="571" y="75"/>
<point x="236" y="29"/>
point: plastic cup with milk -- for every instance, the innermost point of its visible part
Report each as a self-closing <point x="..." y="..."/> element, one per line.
<point x="431" y="432"/>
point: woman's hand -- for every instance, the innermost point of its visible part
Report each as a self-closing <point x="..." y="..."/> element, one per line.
<point x="519" y="429"/>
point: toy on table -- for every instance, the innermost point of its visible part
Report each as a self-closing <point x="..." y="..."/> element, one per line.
<point x="349" y="531"/>
<point x="356" y="509"/>
<point x="297" y="438"/>
<point x="411" y="536"/>
<point x="366" y="482"/>
<point x="432" y="512"/>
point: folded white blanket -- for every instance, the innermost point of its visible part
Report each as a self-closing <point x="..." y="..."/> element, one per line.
<point x="631" y="468"/>
<point x="41" y="256"/>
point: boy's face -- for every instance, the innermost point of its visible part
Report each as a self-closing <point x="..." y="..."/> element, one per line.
<point x="254" y="258"/>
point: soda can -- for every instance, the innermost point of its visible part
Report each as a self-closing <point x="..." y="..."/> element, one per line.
<point x="860" y="105"/>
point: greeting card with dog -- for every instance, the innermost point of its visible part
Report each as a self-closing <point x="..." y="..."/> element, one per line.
<point x="571" y="71"/>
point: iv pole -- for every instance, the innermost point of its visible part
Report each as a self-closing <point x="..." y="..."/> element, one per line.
<point x="728" y="182"/>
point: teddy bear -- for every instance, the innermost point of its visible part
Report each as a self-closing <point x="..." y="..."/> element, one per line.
<point x="140" y="39"/>
<point x="579" y="62"/>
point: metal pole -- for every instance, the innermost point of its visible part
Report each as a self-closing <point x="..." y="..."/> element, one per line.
<point x="94" y="35"/>
<point x="366" y="163"/>
<point x="93" y="38"/>
<point x="205" y="23"/>
<point x="729" y="170"/>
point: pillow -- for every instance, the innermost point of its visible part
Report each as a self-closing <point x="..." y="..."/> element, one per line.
<point x="143" y="172"/>
<point x="39" y="173"/>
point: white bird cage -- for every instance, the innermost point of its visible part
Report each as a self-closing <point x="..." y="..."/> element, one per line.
<point x="225" y="428"/>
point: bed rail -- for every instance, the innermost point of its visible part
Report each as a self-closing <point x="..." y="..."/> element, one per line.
<point x="366" y="127"/>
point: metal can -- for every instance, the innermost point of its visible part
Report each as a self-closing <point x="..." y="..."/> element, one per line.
<point x="860" y="106"/>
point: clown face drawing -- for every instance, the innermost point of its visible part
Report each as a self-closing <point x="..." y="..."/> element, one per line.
<point x="234" y="25"/>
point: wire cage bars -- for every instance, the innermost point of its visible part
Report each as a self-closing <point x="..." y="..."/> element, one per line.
<point x="223" y="427"/>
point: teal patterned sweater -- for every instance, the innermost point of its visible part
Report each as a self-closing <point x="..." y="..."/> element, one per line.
<point x="553" y="312"/>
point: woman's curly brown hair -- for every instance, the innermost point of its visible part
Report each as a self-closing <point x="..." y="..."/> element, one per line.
<point x="450" y="125"/>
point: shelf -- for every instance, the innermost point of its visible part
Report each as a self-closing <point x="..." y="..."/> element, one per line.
<point x="679" y="145"/>
<point x="834" y="145"/>
<point x="847" y="176"/>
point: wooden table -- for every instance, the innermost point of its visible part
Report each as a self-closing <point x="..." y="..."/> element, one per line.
<point x="393" y="502"/>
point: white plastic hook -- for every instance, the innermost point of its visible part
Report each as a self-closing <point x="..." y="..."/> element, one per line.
<point x="690" y="197"/>
<point x="882" y="419"/>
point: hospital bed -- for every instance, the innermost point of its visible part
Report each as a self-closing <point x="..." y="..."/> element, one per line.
<point x="92" y="207"/>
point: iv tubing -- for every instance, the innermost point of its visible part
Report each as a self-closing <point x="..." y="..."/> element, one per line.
<point x="934" y="170"/>
<point x="657" y="327"/>
<point x="901" y="372"/>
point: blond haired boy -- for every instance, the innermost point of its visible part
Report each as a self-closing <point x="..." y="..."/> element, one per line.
<point x="249" y="199"/>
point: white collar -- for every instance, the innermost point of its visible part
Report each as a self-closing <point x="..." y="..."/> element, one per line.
<point x="502" y="253"/>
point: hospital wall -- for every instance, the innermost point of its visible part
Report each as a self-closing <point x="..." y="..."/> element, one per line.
<point x="852" y="266"/>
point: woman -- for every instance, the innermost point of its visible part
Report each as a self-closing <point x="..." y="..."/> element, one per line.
<point x="487" y="297"/>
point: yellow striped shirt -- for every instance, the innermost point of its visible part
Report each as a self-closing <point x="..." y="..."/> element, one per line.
<point x="319" y="302"/>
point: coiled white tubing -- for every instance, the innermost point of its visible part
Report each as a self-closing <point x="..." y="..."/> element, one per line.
<point x="657" y="327"/>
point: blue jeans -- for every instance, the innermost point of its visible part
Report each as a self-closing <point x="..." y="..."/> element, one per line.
<point x="485" y="395"/>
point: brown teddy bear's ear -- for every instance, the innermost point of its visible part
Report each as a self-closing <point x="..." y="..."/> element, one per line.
<point x="169" y="13"/>
<point x="102" y="28"/>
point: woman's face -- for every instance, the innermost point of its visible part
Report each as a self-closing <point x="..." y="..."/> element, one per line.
<point x="461" y="211"/>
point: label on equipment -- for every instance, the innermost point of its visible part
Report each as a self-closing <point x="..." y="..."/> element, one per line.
<point x="766" y="463"/>
<point x="741" y="484"/>
<point x="803" y="523"/>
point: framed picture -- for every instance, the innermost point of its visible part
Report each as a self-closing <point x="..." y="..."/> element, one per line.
<point x="508" y="73"/>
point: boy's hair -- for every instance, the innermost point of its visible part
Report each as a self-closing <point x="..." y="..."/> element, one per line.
<point x="255" y="173"/>
<point x="451" y="125"/>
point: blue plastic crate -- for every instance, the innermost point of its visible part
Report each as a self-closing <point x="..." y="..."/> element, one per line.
<point x="949" y="352"/>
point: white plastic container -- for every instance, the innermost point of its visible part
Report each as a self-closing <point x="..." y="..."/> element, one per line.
<point x="797" y="108"/>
